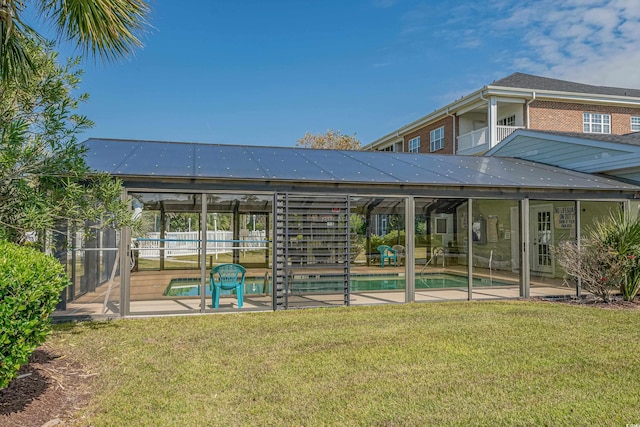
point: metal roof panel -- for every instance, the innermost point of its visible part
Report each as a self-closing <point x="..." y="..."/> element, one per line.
<point x="214" y="161"/>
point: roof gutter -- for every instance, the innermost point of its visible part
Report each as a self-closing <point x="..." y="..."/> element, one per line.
<point x="510" y="92"/>
<point x="431" y="117"/>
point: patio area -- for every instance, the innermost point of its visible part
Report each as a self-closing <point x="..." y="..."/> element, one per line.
<point x="148" y="288"/>
<point x="312" y="236"/>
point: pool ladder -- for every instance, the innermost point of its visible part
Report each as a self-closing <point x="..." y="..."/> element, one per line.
<point x="437" y="251"/>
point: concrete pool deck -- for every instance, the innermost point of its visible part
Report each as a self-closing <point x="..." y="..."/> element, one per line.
<point x="147" y="288"/>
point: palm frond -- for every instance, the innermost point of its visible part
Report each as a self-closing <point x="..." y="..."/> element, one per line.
<point x="16" y="63"/>
<point x="110" y="29"/>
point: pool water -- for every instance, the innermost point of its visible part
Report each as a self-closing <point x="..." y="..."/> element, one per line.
<point x="255" y="285"/>
<point x="190" y="287"/>
<point x="443" y="280"/>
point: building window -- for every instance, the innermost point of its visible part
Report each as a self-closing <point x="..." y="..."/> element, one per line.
<point x="507" y="121"/>
<point x="437" y="139"/>
<point x="414" y="145"/>
<point x="635" y="124"/>
<point x="596" y="123"/>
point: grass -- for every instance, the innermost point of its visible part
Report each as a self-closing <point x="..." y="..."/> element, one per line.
<point x="480" y="363"/>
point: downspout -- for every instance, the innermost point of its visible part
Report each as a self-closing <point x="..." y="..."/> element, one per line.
<point x="487" y="101"/>
<point x="489" y="121"/>
<point x="533" y="98"/>
<point x="455" y="143"/>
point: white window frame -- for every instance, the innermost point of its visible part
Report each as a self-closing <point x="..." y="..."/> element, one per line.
<point x="414" y="145"/>
<point x="507" y="121"/>
<point x="596" y="123"/>
<point x="635" y="123"/>
<point x="436" y="139"/>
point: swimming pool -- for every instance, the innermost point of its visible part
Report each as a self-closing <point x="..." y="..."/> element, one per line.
<point x="189" y="287"/>
<point x="447" y="280"/>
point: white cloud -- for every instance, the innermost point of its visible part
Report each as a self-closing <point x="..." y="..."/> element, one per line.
<point x="590" y="41"/>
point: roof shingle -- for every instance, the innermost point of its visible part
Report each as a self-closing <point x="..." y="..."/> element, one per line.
<point x="529" y="81"/>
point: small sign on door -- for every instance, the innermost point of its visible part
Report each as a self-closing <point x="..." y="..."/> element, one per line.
<point x="564" y="217"/>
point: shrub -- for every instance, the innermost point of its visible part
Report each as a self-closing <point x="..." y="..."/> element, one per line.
<point x="375" y="241"/>
<point x="597" y="268"/>
<point x="391" y="238"/>
<point x="609" y="257"/>
<point x="30" y="287"/>
<point x="622" y="236"/>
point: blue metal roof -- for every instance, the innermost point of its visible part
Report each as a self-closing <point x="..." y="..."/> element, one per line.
<point x="126" y="158"/>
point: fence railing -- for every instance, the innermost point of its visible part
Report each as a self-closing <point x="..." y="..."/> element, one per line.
<point x="505" y="131"/>
<point x="478" y="137"/>
<point x="472" y="139"/>
<point x="188" y="243"/>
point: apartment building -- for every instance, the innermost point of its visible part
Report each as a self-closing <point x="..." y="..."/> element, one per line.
<point x="477" y="122"/>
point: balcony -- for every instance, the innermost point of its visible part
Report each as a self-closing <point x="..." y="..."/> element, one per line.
<point x="476" y="142"/>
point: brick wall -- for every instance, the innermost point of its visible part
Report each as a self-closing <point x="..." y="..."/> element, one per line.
<point x="565" y="117"/>
<point x="425" y="137"/>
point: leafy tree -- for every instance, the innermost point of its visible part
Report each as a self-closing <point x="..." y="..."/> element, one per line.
<point x="43" y="176"/>
<point x="222" y="221"/>
<point x="109" y="28"/>
<point x="332" y="139"/>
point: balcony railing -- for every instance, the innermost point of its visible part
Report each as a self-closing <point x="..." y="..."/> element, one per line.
<point x="471" y="140"/>
<point x="505" y="131"/>
<point x="475" y="140"/>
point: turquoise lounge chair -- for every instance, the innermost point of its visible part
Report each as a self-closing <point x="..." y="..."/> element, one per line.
<point x="387" y="253"/>
<point x="227" y="277"/>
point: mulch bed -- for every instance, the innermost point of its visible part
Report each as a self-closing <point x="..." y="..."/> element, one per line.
<point x="616" y="303"/>
<point x="51" y="388"/>
<point x="47" y="391"/>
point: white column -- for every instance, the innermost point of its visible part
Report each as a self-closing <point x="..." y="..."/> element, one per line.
<point x="492" y="119"/>
<point x="525" y="269"/>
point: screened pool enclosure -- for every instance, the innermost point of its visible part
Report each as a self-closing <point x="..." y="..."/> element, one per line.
<point x="320" y="228"/>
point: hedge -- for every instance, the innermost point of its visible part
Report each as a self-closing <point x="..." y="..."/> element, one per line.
<point x="30" y="287"/>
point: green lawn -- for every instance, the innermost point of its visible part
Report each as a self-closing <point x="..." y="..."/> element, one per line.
<point x="480" y="363"/>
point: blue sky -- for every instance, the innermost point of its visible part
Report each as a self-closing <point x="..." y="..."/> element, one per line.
<point x="264" y="72"/>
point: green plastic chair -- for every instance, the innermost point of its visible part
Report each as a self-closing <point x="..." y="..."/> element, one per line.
<point x="227" y="277"/>
<point x="387" y="253"/>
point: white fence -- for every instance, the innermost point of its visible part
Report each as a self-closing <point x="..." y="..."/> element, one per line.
<point x="505" y="131"/>
<point x="188" y="243"/>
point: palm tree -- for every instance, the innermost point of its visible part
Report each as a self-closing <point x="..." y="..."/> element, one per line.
<point x="109" y="29"/>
